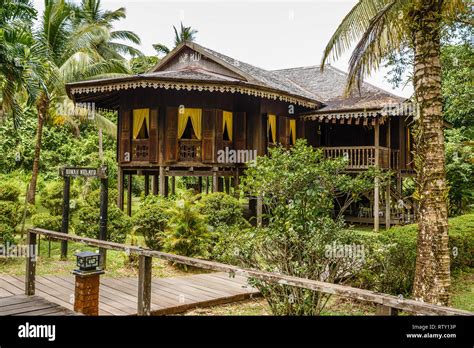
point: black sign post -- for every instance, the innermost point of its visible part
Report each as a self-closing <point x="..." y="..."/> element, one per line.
<point x="65" y="219"/>
<point x="71" y="172"/>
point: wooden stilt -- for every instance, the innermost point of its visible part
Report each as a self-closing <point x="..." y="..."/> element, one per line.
<point x="207" y="185"/>
<point x="387" y="206"/>
<point x="227" y="185"/>
<point x="200" y="184"/>
<point x="161" y="185"/>
<point x="388" y="214"/>
<point x="120" y="184"/>
<point x="215" y="186"/>
<point x="377" y="180"/>
<point x="147" y="184"/>
<point x="259" y="211"/>
<point x="173" y="185"/>
<point x="167" y="186"/>
<point x="155" y="184"/>
<point x="129" y="195"/>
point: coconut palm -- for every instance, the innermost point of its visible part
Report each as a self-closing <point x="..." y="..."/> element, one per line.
<point x="20" y="58"/>
<point x="184" y="34"/>
<point x="76" y="49"/>
<point x="90" y="12"/>
<point x="383" y="26"/>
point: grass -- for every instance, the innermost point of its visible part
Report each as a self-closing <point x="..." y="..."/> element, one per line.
<point x="463" y="290"/>
<point x="258" y="306"/>
<point x="118" y="263"/>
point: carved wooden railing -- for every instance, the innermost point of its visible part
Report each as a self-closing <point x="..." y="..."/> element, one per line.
<point x="140" y="149"/>
<point x="189" y="150"/>
<point x="360" y="157"/>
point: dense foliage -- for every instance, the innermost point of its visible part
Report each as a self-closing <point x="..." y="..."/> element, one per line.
<point x="390" y="256"/>
<point x="297" y="188"/>
<point x="151" y="221"/>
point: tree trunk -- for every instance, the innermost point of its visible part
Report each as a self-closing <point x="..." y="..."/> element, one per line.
<point x="432" y="276"/>
<point x="42" y="108"/>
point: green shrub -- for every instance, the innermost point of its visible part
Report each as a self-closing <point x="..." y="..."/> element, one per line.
<point x="46" y="221"/>
<point x="151" y="221"/>
<point x="52" y="197"/>
<point x="221" y="209"/>
<point x="10" y="213"/>
<point x="391" y="255"/>
<point x="6" y="234"/>
<point x="9" y="192"/>
<point x="118" y="223"/>
<point x="187" y="232"/>
<point x="93" y="197"/>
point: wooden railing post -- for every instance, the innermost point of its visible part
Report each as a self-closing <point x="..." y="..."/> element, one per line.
<point x="386" y="310"/>
<point x="30" y="264"/>
<point x="144" y="285"/>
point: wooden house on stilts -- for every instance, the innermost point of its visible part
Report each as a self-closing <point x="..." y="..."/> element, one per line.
<point x="179" y="119"/>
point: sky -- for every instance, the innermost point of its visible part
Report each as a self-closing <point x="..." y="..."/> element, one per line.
<point x="266" y="33"/>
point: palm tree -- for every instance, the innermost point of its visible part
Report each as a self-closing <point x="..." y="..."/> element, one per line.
<point x="76" y="49"/>
<point x="184" y="34"/>
<point x="20" y="58"/>
<point x="382" y="27"/>
<point x="90" y="12"/>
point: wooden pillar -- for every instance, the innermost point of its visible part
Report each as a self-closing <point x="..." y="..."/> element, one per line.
<point x="161" y="185"/>
<point x="147" y="185"/>
<point x="155" y="184"/>
<point x="200" y="184"/>
<point x="173" y="185"/>
<point x="120" y="184"/>
<point x="259" y="211"/>
<point x="215" y="186"/>
<point x="220" y="182"/>
<point x="167" y="186"/>
<point x="129" y="195"/>
<point x="207" y="185"/>
<point x="377" y="179"/>
<point x="144" y="285"/>
<point x="402" y="143"/>
<point x="227" y="184"/>
<point x="30" y="264"/>
<point x="387" y="188"/>
<point x="385" y="310"/>
<point x="236" y="184"/>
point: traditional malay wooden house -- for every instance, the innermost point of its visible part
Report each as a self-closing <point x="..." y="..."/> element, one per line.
<point x="201" y="113"/>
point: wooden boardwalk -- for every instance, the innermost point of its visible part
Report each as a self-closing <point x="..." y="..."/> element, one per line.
<point x="31" y="305"/>
<point x="118" y="296"/>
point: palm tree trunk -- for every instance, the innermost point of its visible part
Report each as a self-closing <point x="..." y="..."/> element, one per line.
<point x="432" y="276"/>
<point x="42" y="108"/>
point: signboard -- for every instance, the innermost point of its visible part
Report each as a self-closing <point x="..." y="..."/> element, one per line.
<point x="84" y="172"/>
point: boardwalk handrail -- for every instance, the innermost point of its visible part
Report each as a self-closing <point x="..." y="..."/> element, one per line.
<point x="384" y="302"/>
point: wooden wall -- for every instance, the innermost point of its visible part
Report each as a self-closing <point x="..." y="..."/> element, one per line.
<point x="249" y="121"/>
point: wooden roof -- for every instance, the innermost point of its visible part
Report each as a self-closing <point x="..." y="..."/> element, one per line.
<point x="193" y="67"/>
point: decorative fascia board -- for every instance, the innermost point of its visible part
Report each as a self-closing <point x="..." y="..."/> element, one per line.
<point x="191" y="87"/>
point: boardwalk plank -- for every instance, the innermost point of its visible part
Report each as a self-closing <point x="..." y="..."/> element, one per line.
<point x="118" y="296"/>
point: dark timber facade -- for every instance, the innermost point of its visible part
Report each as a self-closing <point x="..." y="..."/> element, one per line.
<point x="196" y="104"/>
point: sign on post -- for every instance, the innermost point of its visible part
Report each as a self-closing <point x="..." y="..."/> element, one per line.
<point x="72" y="172"/>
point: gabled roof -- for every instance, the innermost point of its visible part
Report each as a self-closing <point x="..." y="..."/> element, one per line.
<point x="216" y="72"/>
<point x="328" y="86"/>
<point x="213" y="71"/>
